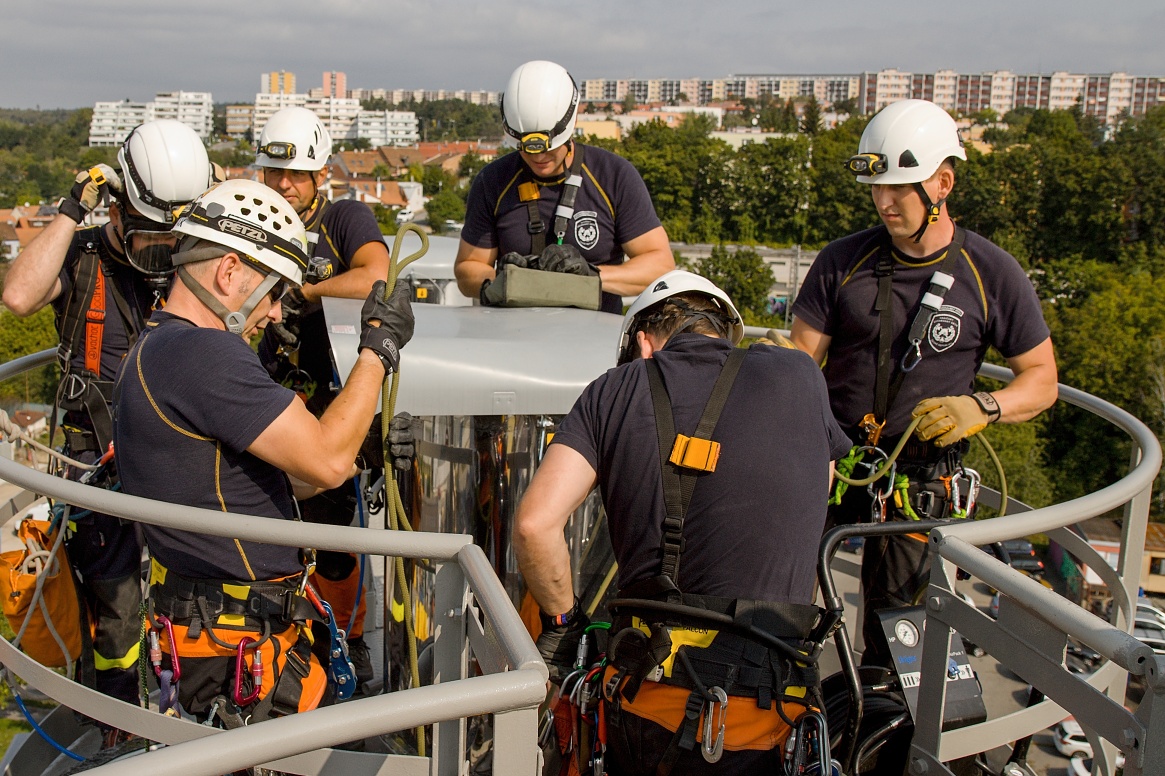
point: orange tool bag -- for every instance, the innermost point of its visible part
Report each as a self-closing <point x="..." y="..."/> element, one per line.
<point x="52" y="635"/>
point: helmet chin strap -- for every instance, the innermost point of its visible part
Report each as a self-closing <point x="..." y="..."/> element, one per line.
<point x="236" y="322"/>
<point x="932" y="210"/>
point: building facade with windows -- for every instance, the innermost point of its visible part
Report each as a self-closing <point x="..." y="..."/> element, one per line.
<point x="113" y="121"/>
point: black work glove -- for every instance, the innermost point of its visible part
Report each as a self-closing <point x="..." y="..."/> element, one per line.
<point x="396" y="323"/>
<point x="287" y="330"/>
<point x="92" y="187"/>
<point x="518" y="260"/>
<point x="565" y="259"/>
<point x="399" y="442"/>
<point x="558" y="644"/>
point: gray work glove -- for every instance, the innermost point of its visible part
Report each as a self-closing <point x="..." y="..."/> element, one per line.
<point x="400" y="443"/>
<point x="287" y="330"/>
<point x="396" y="323"/>
<point x="92" y="187"/>
<point x="558" y="644"/>
<point x="565" y="259"/>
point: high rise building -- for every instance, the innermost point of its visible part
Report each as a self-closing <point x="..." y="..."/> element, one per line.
<point x="112" y="121"/>
<point x="335" y="84"/>
<point x="277" y="82"/>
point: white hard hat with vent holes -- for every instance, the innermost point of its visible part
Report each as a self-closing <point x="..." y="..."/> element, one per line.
<point x="674" y="283"/>
<point x="294" y="139"/>
<point x="540" y="106"/>
<point x="905" y="143"/>
<point x="164" y="166"/>
<point x="254" y="220"/>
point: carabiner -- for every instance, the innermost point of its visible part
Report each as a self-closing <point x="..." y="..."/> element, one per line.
<point x="175" y="664"/>
<point x="711" y="748"/>
<point x="242" y="701"/>
<point x="915" y="356"/>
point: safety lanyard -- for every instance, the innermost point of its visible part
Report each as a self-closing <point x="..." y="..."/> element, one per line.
<point x="679" y="482"/>
<point x="932" y="299"/>
<point x="563" y="212"/>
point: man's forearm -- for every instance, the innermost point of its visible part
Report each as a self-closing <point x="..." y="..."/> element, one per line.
<point x="470" y="275"/>
<point x="32" y="278"/>
<point x="633" y="275"/>
<point x="545" y="565"/>
<point x="345" y="422"/>
<point x="353" y="284"/>
<point x="1029" y="394"/>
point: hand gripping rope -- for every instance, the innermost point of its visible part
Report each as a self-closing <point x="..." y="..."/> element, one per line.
<point x="395" y="508"/>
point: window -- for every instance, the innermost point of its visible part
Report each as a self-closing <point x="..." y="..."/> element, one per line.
<point x="1157" y="565"/>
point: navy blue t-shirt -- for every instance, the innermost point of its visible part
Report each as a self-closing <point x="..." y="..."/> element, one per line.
<point x="991" y="304"/>
<point x="753" y="525"/>
<point x="340" y="228"/>
<point x="612" y="208"/>
<point x="188" y="403"/>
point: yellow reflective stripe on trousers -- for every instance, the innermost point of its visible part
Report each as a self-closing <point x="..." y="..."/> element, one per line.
<point x="128" y="660"/>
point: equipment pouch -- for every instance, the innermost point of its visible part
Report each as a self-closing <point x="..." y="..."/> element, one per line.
<point x="695" y="453"/>
<point x="57" y="610"/>
<point x="534" y="288"/>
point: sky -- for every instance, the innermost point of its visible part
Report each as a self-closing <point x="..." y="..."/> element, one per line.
<point x="72" y="53"/>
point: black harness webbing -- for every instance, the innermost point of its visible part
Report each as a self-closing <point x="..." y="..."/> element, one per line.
<point x="885" y="391"/>
<point x="563" y="211"/>
<point x="679" y="483"/>
<point x="83" y="390"/>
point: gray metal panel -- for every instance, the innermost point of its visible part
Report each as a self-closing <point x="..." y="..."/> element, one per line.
<point x="437" y="263"/>
<point x="488" y="361"/>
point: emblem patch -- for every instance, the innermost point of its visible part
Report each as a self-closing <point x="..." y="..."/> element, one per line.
<point x="586" y="229"/>
<point x="944" y="328"/>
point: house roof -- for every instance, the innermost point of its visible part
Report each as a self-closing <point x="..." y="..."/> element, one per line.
<point x="8" y="232"/>
<point x="25" y="418"/>
<point x="1109" y="530"/>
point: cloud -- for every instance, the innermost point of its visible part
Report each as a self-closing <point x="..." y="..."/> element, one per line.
<point x="71" y="53"/>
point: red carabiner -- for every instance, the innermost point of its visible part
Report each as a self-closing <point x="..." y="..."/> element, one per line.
<point x="256" y="673"/>
<point x="175" y="664"/>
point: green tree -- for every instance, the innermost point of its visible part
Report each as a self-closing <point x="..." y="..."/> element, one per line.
<point x="375" y="103"/>
<point x="769" y="185"/>
<point x="811" y="123"/>
<point x="629" y="104"/>
<point x="21" y="337"/>
<point x="740" y="273"/>
<point x="471" y="164"/>
<point x="838" y="205"/>
<point x="446" y="206"/>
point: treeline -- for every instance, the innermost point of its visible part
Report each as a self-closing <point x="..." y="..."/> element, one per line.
<point x="40" y="152"/>
<point x="1083" y="214"/>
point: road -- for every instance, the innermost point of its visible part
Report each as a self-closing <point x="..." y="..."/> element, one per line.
<point x="1003" y="692"/>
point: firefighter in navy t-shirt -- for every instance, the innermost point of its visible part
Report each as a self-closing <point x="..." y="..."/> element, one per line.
<point x="200" y="422"/>
<point x="747" y="538"/>
<point x="925" y="300"/>
<point x="512" y="206"/>
<point x="294" y="149"/>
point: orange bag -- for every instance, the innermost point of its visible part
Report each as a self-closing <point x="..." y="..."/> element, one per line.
<point x="18" y="573"/>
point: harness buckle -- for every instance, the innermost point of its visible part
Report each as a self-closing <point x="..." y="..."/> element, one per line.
<point x="714" y="709"/>
<point x="73" y="386"/>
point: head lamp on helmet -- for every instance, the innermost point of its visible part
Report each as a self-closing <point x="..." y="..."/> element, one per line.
<point x="278" y="150"/>
<point x="867" y="164"/>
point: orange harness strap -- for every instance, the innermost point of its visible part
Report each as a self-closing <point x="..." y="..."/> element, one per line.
<point x="95" y="326"/>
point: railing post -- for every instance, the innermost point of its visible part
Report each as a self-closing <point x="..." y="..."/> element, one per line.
<point x="516" y="743"/>
<point x="932" y="692"/>
<point x="450" y="662"/>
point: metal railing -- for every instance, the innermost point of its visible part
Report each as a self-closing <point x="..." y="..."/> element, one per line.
<point x="473" y="613"/>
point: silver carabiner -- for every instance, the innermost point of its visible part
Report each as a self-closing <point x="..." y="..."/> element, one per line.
<point x="713" y="751"/>
<point x="915" y="356"/>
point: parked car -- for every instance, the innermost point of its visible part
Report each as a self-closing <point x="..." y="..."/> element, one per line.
<point x="452" y="226"/>
<point x="1070" y="740"/>
<point x="1022" y="556"/>
<point x="1082" y="766"/>
<point x="404" y="216"/>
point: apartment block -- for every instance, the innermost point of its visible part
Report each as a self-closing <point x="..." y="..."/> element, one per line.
<point x="277" y="82"/>
<point x="387" y="127"/>
<point x="335" y="84"/>
<point x="267" y="104"/>
<point x="112" y="121"/>
<point x="240" y="119"/>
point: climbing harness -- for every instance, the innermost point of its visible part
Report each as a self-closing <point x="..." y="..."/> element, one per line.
<point x="529" y="193"/>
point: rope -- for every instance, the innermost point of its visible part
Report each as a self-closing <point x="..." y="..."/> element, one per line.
<point x="396" y="513"/>
<point x="12" y="432"/>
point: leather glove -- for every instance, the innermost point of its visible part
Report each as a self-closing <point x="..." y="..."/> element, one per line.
<point x="287" y="330"/>
<point x="951" y="418"/>
<point x="217" y="173"/>
<point x="490" y="294"/>
<point x="396" y="322"/>
<point x="566" y="259"/>
<point x="518" y="260"/>
<point x="774" y="337"/>
<point x="558" y="644"/>
<point x="399" y="439"/>
<point x="87" y="193"/>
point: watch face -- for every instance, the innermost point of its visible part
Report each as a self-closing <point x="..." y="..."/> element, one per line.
<point x="906" y="632"/>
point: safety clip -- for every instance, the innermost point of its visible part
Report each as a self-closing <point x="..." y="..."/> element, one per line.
<point x="715" y="718"/>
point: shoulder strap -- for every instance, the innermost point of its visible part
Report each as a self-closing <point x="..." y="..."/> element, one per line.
<point x="88" y="275"/>
<point x="886" y="392"/>
<point x="678" y="482"/>
<point x="563" y="211"/>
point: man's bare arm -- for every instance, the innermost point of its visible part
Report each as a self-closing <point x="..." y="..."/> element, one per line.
<point x="563" y="480"/>
<point x="320" y="451"/>
<point x="472" y="267"/>
<point x="369" y="264"/>
<point x="1034" y="388"/>
<point x="810" y="340"/>
<point x="34" y="278"/>
<point x="648" y="256"/>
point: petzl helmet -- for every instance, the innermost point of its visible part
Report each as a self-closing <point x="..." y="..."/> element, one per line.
<point x="254" y="221"/>
<point x="539" y="106"/>
<point x="294" y="139"/>
<point x="905" y="144"/>
<point x="164" y="166"/>
<point x="677" y="282"/>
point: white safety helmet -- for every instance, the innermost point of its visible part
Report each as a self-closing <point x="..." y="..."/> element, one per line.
<point x="905" y="143"/>
<point x="539" y="106"/>
<point x="677" y="282"/>
<point x="164" y="166"/>
<point x="294" y="139"/>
